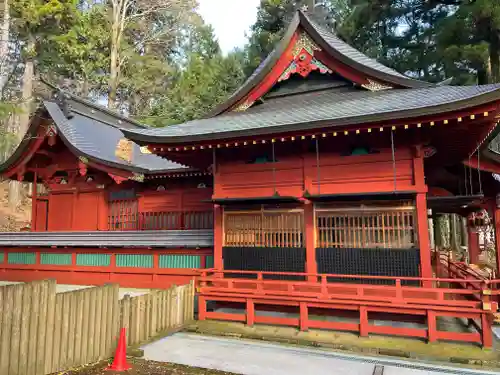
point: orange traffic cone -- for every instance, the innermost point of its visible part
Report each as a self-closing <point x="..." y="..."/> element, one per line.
<point x="120" y="362"/>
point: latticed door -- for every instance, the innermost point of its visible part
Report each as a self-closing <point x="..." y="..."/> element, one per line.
<point x="123" y="215"/>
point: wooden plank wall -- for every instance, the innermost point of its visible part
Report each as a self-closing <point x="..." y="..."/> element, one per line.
<point x="42" y="332"/>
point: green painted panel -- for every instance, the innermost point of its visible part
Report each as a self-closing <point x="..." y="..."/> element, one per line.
<point x="96" y="260"/>
<point x="134" y="260"/>
<point x="180" y="261"/>
<point x="55" y="259"/>
<point x="2" y="257"/>
<point x="210" y="261"/>
<point x="21" y="258"/>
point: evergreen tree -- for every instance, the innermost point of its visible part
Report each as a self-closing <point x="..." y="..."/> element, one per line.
<point x="469" y="42"/>
<point x="204" y="83"/>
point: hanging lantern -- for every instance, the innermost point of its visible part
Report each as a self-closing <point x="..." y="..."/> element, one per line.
<point x="479" y="219"/>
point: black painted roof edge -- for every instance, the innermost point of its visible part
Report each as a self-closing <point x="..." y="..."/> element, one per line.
<point x="28" y="138"/>
<point x="122" y="166"/>
<point x="32" y="131"/>
<point x="480" y="99"/>
<point x="301" y="19"/>
<point x="95" y="106"/>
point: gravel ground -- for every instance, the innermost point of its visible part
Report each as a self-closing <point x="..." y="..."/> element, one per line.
<point x="143" y="367"/>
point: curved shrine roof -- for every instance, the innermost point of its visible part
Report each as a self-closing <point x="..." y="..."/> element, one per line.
<point x="93" y="132"/>
<point x="333" y="45"/>
<point x="329" y="108"/>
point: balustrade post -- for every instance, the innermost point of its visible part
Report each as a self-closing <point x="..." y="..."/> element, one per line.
<point x="218" y="237"/>
<point x="304" y="316"/>
<point x="311" y="265"/>
<point x="486" y="316"/>
<point x="324" y="286"/>
<point x="486" y="332"/>
<point x="363" y="321"/>
<point x="250" y="312"/>
<point x="399" y="291"/>
<point x="423" y="238"/>
<point x="259" y="281"/>
<point x="431" y="326"/>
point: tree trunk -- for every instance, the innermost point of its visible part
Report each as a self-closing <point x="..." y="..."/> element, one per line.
<point x="15" y="188"/>
<point x="495" y="56"/>
<point x="4" y="46"/>
<point x="113" y="78"/>
<point x="463" y="225"/>
<point x="454" y="233"/>
<point x="27" y="91"/>
<point x="114" y="68"/>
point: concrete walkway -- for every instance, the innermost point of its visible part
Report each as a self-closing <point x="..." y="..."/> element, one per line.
<point x="260" y="358"/>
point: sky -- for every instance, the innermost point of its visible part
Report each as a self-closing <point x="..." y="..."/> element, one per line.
<point x="231" y="19"/>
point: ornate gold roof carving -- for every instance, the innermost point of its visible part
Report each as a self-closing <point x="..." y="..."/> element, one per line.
<point x="305" y="42"/>
<point x="243" y="107"/>
<point x="376" y="86"/>
<point x="124" y="150"/>
<point x="145" y="150"/>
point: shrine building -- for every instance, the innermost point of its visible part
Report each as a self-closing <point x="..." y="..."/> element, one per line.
<point x="103" y="208"/>
<point x="326" y="162"/>
<point x="310" y="192"/>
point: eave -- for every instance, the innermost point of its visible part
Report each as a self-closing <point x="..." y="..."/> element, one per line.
<point x="476" y="106"/>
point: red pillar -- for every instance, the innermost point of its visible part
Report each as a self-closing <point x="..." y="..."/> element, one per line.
<point x="497" y="237"/>
<point x="34" y="194"/>
<point x="473" y="245"/>
<point x="423" y="236"/>
<point x="218" y="238"/>
<point x="311" y="266"/>
<point x="102" y="212"/>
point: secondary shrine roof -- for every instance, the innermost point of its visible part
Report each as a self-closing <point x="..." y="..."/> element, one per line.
<point x="92" y="132"/>
<point x="316" y="109"/>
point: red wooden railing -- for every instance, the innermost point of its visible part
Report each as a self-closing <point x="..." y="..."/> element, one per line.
<point x="431" y="299"/>
<point x="161" y="221"/>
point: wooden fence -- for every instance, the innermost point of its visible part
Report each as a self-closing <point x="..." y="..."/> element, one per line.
<point x="148" y="315"/>
<point x="42" y="332"/>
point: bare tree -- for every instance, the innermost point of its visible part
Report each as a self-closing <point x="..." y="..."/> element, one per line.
<point x="124" y="14"/>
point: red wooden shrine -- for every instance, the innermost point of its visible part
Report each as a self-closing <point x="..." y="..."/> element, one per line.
<point x="326" y="165"/>
<point x="308" y="192"/>
<point x="103" y="209"/>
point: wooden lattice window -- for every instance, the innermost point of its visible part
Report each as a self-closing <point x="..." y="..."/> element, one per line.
<point x="264" y="228"/>
<point x="367" y="226"/>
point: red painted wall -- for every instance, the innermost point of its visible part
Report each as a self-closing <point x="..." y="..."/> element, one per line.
<point x="361" y="173"/>
<point x="41" y="220"/>
<point x="240" y="180"/>
<point x="293" y="175"/>
<point x="176" y="199"/>
<point x="86" y="214"/>
<point x="60" y="212"/>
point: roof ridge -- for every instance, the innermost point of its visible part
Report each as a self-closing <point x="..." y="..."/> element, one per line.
<point x="335" y="35"/>
<point x="95" y="106"/>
